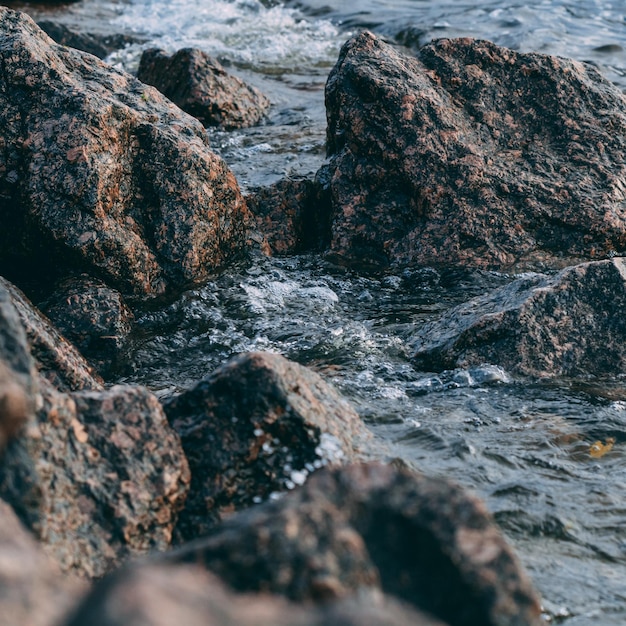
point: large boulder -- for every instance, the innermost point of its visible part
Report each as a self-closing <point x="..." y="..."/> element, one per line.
<point x="97" y="477"/>
<point x="255" y="427"/>
<point x="569" y="324"/>
<point x="199" y="85"/>
<point x="472" y="154"/>
<point x="423" y="540"/>
<point x="99" y="171"/>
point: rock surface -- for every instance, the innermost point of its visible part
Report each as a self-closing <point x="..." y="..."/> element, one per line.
<point x="99" y="171"/>
<point x="472" y="154"/>
<point x="94" y="318"/>
<point x="569" y="324"/>
<point x="159" y="595"/>
<point x="258" y="425"/>
<point x="423" y="540"/>
<point x="33" y="592"/>
<point x="199" y="85"/>
<point x="98" y="477"/>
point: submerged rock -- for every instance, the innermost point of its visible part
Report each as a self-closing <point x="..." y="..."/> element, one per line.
<point x="423" y="540"/>
<point x="99" y="171"/>
<point x="97" y="477"/>
<point x="199" y="85"/>
<point x="472" y="154"/>
<point x="258" y="425"/>
<point x="569" y="324"/>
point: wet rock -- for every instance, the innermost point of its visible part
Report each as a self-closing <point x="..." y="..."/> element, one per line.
<point x="258" y="425"/>
<point x="472" y="154"/>
<point x="160" y="595"/>
<point x="56" y="359"/>
<point x="97" y="477"/>
<point x="569" y="324"/>
<point x="199" y="85"/>
<point x="101" y="172"/>
<point x="99" y="45"/>
<point x="33" y="592"/>
<point x="94" y="318"/>
<point x="423" y="540"/>
<point x="290" y="215"/>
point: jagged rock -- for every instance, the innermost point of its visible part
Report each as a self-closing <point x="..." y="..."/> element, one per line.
<point x="101" y="172"/>
<point x="472" y="154"/>
<point x="94" y="318"/>
<point x="199" y="85"/>
<point x="33" y="592"/>
<point x="99" y="476"/>
<point x="160" y="595"/>
<point x="424" y="540"/>
<point x="569" y="324"/>
<point x="99" y="45"/>
<point x="56" y="359"/>
<point x="258" y="425"/>
<point x="290" y="215"/>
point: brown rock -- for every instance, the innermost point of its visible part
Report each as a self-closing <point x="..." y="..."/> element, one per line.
<point x="33" y="592"/>
<point x="424" y="540"/>
<point x="472" y="154"/>
<point x="258" y="425"/>
<point x="98" y="477"/>
<point x="199" y="85"/>
<point x="98" y="170"/>
<point x="569" y="324"/>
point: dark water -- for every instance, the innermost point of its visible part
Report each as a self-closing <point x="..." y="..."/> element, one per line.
<point x="523" y="447"/>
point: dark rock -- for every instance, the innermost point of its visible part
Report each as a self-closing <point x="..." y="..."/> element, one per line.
<point x="258" y="425"/>
<point x="99" y="45"/>
<point x="160" y="595"/>
<point x="94" y="318"/>
<point x="423" y="540"/>
<point x="569" y="324"/>
<point x="199" y="85"/>
<point x="101" y="172"/>
<point x="56" y="359"/>
<point x="99" y="476"/>
<point x="472" y="154"/>
<point x="290" y="215"/>
<point x="33" y="592"/>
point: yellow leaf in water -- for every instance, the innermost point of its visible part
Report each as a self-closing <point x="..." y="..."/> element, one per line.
<point x="599" y="449"/>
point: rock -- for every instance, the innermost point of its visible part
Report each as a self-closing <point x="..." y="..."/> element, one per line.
<point x="472" y="154"/>
<point x="289" y="214"/>
<point x="98" y="477"/>
<point x="94" y="318"/>
<point x="56" y="359"/>
<point x="199" y="85"/>
<point x="99" y="171"/>
<point x="569" y="324"/>
<point x="99" y="45"/>
<point x="160" y="595"/>
<point x="258" y="425"/>
<point x="33" y="592"/>
<point x="424" y="540"/>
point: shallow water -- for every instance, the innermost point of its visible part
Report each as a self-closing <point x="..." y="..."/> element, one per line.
<point x="523" y="447"/>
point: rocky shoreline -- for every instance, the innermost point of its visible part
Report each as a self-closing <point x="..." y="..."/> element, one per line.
<point x="258" y="495"/>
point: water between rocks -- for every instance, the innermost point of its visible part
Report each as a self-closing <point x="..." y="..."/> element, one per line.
<point x="523" y="447"/>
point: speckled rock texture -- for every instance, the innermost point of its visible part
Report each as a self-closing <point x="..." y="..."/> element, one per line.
<point x="56" y="359"/>
<point x="101" y="172"/>
<point x="258" y="425"/>
<point x="160" y="595"/>
<point x="568" y="324"/>
<point x="472" y="154"/>
<point x="98" y="477"/>
<point x="423" y="540"/>
<point x="33" y="592"/>
<point x="94" y="318"/>
<point x="199" y="85"/>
